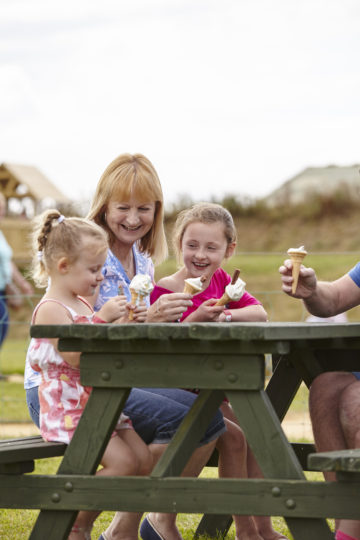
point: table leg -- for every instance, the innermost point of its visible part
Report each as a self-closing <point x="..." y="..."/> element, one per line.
<point x="191" y="430"/>
<point x="83" y="455"/>
<point x="274" y="453"/>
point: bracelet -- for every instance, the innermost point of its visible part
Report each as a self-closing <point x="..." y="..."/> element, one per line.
<point x="228" y="316"/>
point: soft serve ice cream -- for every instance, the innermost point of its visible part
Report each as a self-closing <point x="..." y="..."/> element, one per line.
<point x="194" y="285"/>
<point x="140" y="287"/>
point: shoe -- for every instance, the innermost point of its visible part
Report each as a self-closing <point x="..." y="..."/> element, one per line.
<point x="148" y="531"/>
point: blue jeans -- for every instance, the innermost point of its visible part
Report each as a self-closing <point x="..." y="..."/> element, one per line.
<point x="155" y="413"/>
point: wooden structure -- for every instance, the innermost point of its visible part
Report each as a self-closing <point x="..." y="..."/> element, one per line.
<point x="219" y="359"/>
<point x="25" y="183"/>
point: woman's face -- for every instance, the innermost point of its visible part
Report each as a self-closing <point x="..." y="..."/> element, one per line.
<point x="131" y="220"/>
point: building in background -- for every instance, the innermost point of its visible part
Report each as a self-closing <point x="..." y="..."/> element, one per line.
<point x="27" y="192"/>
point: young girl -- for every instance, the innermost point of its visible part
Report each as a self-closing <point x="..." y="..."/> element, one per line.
<point x="70" y="253"/>
<point x="205" y="235"/>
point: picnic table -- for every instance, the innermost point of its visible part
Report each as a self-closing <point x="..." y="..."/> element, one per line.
<point x="219" y="359"/>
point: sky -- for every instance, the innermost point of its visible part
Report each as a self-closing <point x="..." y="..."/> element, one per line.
<point x="224" y="97"/>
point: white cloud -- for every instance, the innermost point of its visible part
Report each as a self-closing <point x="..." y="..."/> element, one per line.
<point x="220" y="96"/>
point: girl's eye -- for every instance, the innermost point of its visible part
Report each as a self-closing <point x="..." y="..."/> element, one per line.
<point x="144" y="208"/>
<point x="122" y="208"/>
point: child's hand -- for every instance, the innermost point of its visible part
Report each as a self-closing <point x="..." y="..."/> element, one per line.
<point x="114" y="309"/>
<point x="207" y="311"/>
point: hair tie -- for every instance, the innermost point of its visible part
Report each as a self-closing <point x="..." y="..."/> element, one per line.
<point x="61" y="218"/>
<point x="39" y="255"/>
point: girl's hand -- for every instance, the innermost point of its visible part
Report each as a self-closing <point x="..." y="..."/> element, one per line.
<point x="169" y="307"/>
<point x="207" y="311"/>
<point x="307" y="280"/>
<point x="114" y="309"/>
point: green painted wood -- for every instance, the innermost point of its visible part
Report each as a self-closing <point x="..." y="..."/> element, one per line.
<point x="281" y="395"/>
<point x="201" y="331"/>
<point x="17" y="468"/>
<point x="187" y="437"/>
<point x="169" y="370"/>
<point x="28" y="448"/>
<point x="83" y="454"/>
<point x="291" y="498"/>
<point x="261" y="424"/>
<point x="339" y="460"/>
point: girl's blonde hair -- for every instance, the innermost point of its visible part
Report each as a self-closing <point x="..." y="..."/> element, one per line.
<point x="55" y="236"/>
<point x="202" y="212"/>
<point x="133" y="175"/>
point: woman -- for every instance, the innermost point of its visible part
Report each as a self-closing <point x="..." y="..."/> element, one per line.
<point x="128" y="204"/>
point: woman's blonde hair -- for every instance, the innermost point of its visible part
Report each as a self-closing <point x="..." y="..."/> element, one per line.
<point x="202" y="212"/>
<point x="55" y="236"/>
<point x="133" y="175"/>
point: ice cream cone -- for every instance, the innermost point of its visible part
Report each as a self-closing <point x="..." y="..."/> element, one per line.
<point x="189" y="289"/>
<point x="193" y="285"/>
<point x="297" y="257"/>
<point x="135" y="297"/>
<point x="223" y="300"/>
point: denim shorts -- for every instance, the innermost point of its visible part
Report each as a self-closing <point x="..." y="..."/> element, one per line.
<point x="156" y="413"/>
<point x="356" y="374"/>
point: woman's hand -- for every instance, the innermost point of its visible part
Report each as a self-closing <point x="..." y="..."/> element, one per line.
<point x="169" y="307"/>
<point x="206" y="312"/>
<point x="139" y="312"/>
<point x="114" y="309"/>
<point x="307" y="283"/>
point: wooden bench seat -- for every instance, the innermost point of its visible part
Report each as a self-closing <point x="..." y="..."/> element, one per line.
<point x="18" y="455"/>
<point x="339" y="461"/>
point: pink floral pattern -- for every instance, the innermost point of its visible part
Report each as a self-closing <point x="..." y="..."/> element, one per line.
<point x="61" y="394"/>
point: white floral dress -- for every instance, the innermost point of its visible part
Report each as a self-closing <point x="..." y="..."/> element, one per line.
<point x="61" y="394"/>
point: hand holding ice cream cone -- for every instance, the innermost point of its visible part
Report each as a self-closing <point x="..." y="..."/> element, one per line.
<point x="233" y="291"/>
<point x="297" y="256"/>
<point x="140" y="287"/>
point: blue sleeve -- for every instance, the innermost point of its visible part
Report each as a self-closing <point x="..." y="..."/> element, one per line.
<point x="355" y="274"/>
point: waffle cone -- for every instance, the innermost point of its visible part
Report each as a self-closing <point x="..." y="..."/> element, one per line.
<point x="135" y="297"/>
<point x="188" y="289"/>
<point x="297" y="259"/>
<point x="223" y="300"/>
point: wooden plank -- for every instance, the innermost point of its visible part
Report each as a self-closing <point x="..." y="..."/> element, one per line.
<point x="204" y="331"/>
<point x="29" y="448"/>
<point x="289" y="498"/>
<point x="83" y="454"/>
<point x="166" y="371"/>
<point x="273" y="452"/>
<point x="339" y="460"/>
<point x="188" y="435"/>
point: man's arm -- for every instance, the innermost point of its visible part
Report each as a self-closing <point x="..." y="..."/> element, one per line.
<point x="331" y="298"/>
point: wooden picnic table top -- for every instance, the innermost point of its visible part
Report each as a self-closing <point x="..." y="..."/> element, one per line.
<point x="266" y="331"/>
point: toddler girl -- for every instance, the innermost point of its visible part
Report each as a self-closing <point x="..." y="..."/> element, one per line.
<point x="204" y="236"/>
<point x="69" y="256"/>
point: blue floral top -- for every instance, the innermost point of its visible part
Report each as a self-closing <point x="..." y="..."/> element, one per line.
<point x="115" y="276"/>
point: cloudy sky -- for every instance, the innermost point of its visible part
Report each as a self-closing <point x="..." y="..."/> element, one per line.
<point x="230" y="96"/>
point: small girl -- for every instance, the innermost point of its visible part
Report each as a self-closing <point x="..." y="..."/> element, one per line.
<point x="69" y="256"/>
<point x="205" y="235"/>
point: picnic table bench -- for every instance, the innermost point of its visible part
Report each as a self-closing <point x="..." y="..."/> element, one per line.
<point x="219" y="359"/>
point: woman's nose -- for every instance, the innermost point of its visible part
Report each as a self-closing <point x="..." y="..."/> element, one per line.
<point x="132" y="217"/>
